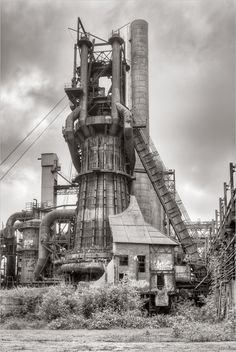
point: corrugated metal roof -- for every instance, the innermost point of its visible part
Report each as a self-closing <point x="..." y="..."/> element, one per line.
<point x="130" y="227"/>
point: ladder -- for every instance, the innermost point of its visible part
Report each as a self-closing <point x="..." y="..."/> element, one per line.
<point x="154" y="168"/>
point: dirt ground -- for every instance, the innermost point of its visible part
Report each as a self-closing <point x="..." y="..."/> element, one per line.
<point x="103" y="340"/>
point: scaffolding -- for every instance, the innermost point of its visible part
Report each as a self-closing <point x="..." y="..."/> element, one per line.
<point x="221" y="256"/>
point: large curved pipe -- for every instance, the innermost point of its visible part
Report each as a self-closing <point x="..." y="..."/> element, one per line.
<point x="128" y="134"/>
<point x="44" y="234"/>
<point x="70" y="137"/>
<point x="8" y="231"/>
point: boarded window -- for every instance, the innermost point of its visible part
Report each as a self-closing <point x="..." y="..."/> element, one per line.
<point x="160" y="281"/>
<point x="124" y="260"/>
<point x="121" y="276"/>
<point x="141" y="264"/>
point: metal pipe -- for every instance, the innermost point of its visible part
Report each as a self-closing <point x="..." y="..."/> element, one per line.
<point x="225" y="196"/>
<point x="75" y="66"/>
<point x="231" y="171"/>
<point x="116" y="42"/>
<point x="84" y="45"/>
<point x="128" y="134"/>
<point x="216" y="219"/>
<point x="44" y="234"/>
<point x="69" y="136"/>
<point x="221" y="210"/>
<point x="8" y="233"/>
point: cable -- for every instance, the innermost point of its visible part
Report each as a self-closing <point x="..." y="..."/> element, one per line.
<point x="90" y="34"/>
<point x="122" y="27"/>
<point x="69" y="32"/>
<point x="38" y="124"/>
<point x="10" y="168"/>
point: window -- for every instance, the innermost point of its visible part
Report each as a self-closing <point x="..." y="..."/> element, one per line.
<point x="124" y="260"/>
<point x="160" y="281"/>
<point x="121" y="276"/>
<point x="141" y="263"/>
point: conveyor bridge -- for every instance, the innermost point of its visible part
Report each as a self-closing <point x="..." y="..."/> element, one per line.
<point x="154" y="169"/>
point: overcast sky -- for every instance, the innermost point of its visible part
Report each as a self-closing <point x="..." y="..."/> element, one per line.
<point x="191" y="84"/>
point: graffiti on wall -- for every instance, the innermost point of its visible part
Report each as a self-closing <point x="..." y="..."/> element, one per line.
<point x="162" y="262"/>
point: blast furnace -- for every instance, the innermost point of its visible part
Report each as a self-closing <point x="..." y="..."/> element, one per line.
<point x="124" y="202"/>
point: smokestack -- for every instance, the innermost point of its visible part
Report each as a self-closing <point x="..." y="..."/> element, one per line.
<point x="139" y="73"/>
<point x="142" y="187"/>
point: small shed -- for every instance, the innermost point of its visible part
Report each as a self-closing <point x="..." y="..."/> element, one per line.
<point x="142" y="251"/>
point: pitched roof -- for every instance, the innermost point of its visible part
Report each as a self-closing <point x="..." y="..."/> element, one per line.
<point x="130" y="227"/>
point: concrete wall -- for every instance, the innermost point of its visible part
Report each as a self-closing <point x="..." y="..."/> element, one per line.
<point x="158" y="259"/>
<point x="162" y="260"/>
<point x="132" y="250"/>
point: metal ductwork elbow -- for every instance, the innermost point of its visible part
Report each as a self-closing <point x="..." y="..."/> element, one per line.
<point x="8" y="231"/>
<point x="70" y="137"/>
<point x="44" y="235"/>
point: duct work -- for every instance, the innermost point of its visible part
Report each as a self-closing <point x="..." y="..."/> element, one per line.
<point x="44" y="235"/>
<point x="70" y="138"/>
<point x="9" y="240"/>
<point x="8" y="232"/>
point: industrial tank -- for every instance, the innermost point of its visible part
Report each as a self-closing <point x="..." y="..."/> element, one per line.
<point x="28" y="251"/>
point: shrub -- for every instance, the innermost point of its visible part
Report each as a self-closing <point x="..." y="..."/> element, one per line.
<point x="188" y="310"/>
<point x="104" y="320"/>
<point x="160" y="321"/>
<point x="206" y="313"/>
<point x="61" y="301"/>
<point x="108" y="319"/>
<point x="57" y="302"/>
<point x="179" y="324"/>
<point x="209" y="309"/>
<point x="134" y="320"/>
<point x="30" y="299"/>
<point x="68" y="323"/>
<point x="120" y="298"/>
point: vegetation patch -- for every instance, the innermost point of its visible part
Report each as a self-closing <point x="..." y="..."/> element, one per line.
<point x="64" y="307"/>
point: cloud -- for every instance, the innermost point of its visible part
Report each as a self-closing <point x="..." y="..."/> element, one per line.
<point x="191" y="75"/>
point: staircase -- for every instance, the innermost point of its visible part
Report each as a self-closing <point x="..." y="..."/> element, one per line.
<point x="155" y="169"/>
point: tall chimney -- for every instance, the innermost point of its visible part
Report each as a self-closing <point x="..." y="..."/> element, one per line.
<point x="142" y="188"/>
